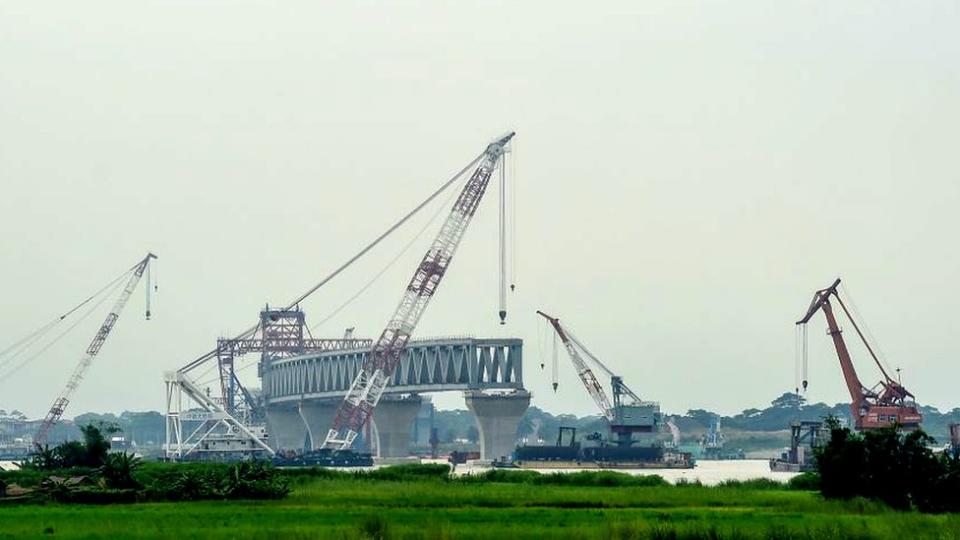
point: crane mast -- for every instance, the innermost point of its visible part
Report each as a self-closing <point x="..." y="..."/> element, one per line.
<point x="60" y="404"/>
<point x="888" y="403"/>
<point x="378" y="367"/>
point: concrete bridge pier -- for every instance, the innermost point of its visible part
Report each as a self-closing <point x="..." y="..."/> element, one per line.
<point x="393" y="421"/>
<point x="317" y="417"/>
<point x="498" y="417"/>
<point x="285" y="427"/>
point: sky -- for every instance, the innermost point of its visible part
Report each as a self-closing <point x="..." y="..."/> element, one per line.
<point x="685" y="175"/>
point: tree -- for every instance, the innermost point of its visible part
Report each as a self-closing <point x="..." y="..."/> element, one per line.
<point x="899" y="469"/>
<point x="473" y="434"/>
<point x="788" y="400"/>
<point x="117" y="471"/>
<point x="95" y="442"/>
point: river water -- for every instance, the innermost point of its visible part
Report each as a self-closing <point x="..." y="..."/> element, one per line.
<point x="708" y="472"/>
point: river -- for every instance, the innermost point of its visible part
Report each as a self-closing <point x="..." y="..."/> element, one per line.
<point x="709" y="473"/>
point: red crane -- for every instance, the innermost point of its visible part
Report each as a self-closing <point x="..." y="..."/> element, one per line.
<point x="377" y="369"/>
<point x="888" y="402"/>
<point x="60" y="404"/>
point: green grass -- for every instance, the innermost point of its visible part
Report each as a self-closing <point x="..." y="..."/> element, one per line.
<point x="415" y="506"/>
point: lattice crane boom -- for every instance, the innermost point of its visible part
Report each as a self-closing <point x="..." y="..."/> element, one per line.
<point x="586" y="375"/>
<point x="60" y="404"/>
<point x="371" y="380"/>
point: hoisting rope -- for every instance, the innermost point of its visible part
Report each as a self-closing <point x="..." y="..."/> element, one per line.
<point x="555" y="361"/>
<point x="512" y="158"/>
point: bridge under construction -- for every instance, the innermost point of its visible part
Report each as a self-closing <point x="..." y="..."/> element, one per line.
<point x="322" y="394"/>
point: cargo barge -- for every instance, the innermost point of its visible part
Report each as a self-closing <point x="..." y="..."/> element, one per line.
<point x="596" y="453"/>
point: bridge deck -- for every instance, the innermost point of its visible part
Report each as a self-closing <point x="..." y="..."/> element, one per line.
<point x="429" y="365"/>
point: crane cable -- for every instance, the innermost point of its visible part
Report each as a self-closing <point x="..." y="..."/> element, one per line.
<point x="363" y="289"/>
<point x="879" y="357"/>
<point x="389" y="264"/>
<point x="54" y="341"/>
<point x="252" y="330"/>
<point x="25" y="343"/>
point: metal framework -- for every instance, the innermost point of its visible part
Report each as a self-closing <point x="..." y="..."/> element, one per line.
<point x="428" y="365"/>
<point x="370" y="382"/>
<point x="888" y="402"/>
<point x="60" y="404"/>
<point x="280" y="334"/>
<point x="212" y="417"/>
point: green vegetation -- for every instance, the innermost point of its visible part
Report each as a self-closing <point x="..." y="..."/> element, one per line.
<point x="87" y="473"/>
<point x="884" y="464"/>
<point x="426" y="502"/>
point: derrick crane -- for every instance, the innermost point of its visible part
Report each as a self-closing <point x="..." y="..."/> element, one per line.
<point x="625" y="417"/>
<point x="375" y="373"/>
<point x="888" y="402"/>
<point x="60" y="404"/>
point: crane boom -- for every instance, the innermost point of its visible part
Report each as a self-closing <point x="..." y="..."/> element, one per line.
<point x="586" y="375"/>
<point x="60" y="404"/>
<point x="375" y="373"/>
<point x="870" y="409"/>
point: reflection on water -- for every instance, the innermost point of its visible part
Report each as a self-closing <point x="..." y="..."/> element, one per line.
<point x="709" y="473"/>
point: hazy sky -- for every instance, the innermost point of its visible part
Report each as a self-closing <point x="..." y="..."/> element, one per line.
<point x="687" y="175"/>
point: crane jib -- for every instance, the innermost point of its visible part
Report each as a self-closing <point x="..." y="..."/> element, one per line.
<point x="60" y="403"/>
<point x="370" y="382"/>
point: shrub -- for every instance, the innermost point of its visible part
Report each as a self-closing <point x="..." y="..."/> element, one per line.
<point x="753" y="484"/>
<point x="808" y="481"/>
<point x="254" y="480"/>
<point x="580" y="478"/>
<point x="409" y="472"/>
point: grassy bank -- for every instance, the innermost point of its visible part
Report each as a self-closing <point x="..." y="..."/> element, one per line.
<point x="425" y="506"/>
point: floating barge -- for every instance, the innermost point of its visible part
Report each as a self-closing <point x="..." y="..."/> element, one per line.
<point x="597" y="454"/>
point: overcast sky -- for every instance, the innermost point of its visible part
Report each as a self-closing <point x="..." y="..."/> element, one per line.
<point x="686" y="175"/>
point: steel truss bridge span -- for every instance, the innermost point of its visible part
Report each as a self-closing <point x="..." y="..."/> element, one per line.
<point x="428" y="365"/>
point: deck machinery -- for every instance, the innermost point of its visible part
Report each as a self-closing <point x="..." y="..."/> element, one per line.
<point x="628" y="414"/>
<point x="636" y="426"/>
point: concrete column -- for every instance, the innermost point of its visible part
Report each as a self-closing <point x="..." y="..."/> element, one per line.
<point x="285" y="427"/>
<point x="393" y="421"/>
<point x="318" y="417"/>
<point x="498" y="417"/>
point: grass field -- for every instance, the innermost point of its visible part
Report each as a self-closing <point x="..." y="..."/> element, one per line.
<point x="431" y="508"/>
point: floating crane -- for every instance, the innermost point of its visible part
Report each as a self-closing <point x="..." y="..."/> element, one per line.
<point x="888" y="403"/>
<point x="60" y="404"/>
<point x="625" y="417"/>
<point x="375" y="373"/>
